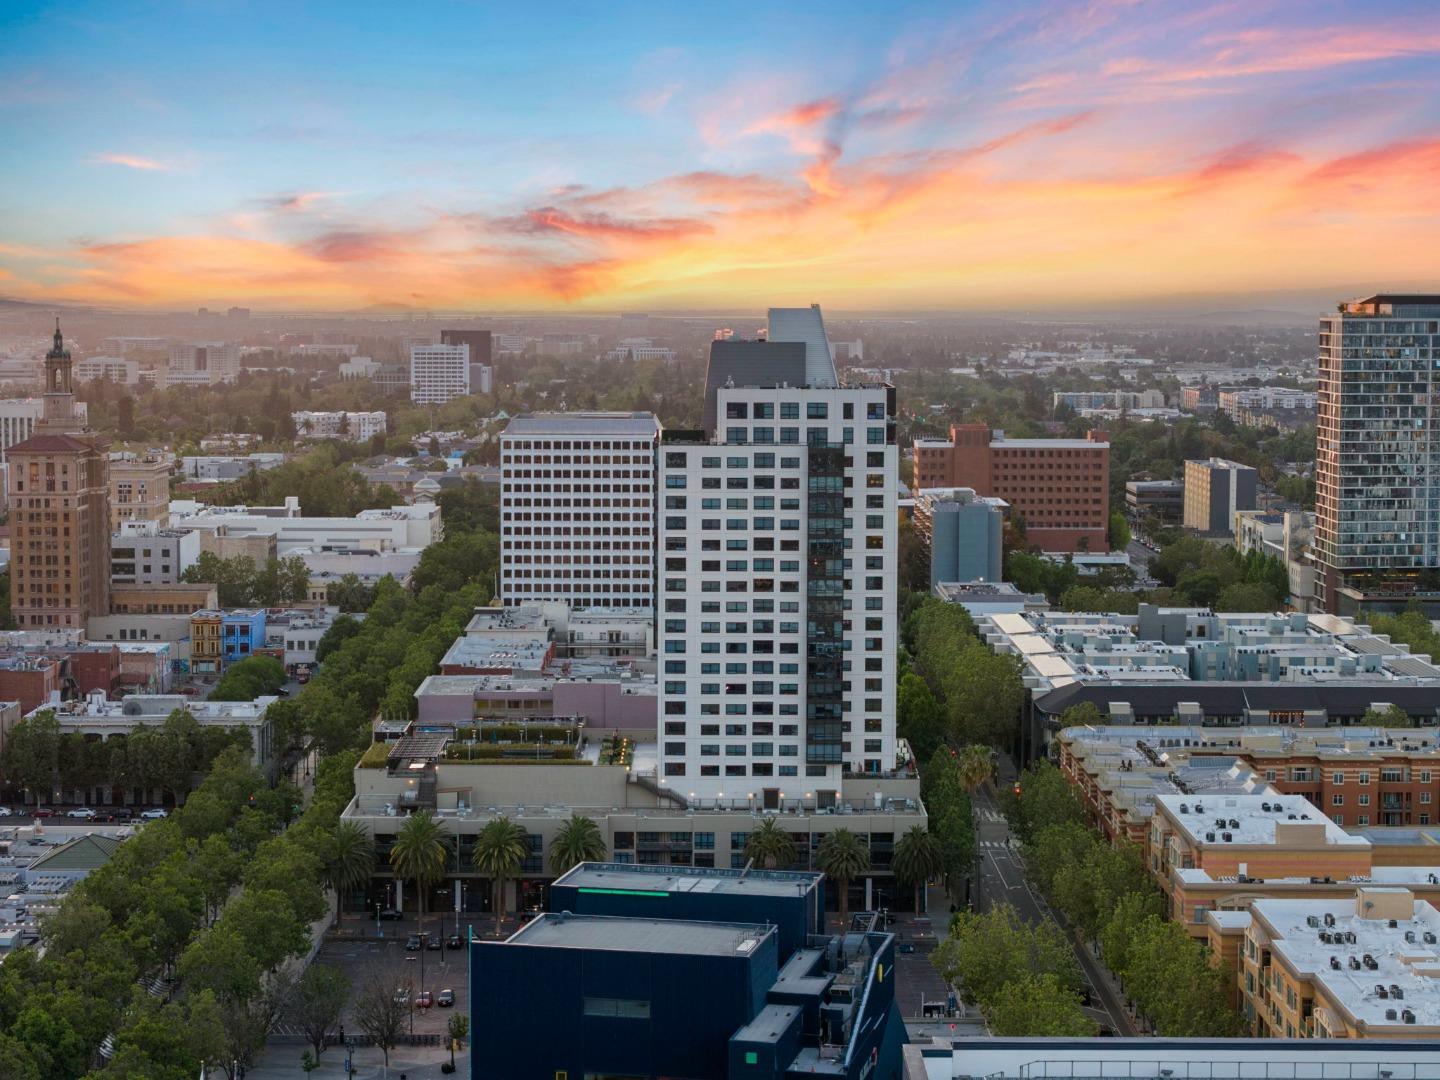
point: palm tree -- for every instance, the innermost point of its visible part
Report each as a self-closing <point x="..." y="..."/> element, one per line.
<point x="975" y="766"/>
<point x="770" y="845"/>
<point x="917" y="859"/>
<point x="500" y="851"/>
<point x="843" y="856"/>
<point x="349" y="860"/>
<point x="419" y="854"/>
<point x="579" y="840"/>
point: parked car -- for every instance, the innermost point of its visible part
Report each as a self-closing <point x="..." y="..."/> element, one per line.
<point x="103" y="815"/>
<point x="390" y="915"/>
<point x="5" y="811"/>
<point x="412" y="943"/>
<point x="154" y="814"/>
<point x="81" y="812"/>
<point x="445" y="998"/>
<point x="44" y="812"/>
<point x="122" y="813"/>
<point x="435" y="943"/>
<point x="454" y="941"/>
<point x="424" y="1000"/>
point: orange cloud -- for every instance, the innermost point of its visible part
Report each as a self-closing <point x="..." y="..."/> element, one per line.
<point x="131" y="161"/>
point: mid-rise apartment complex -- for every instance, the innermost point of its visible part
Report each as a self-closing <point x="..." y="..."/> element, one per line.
<point x="1059" y="488"/>
<point x="59" y="495"/>
<point x="778" y="576"/>
<point x="1215" y="489"/>
<point x="577" y="509"/>
<point x="1377" y="471"/>
<point x="439" y="373"/>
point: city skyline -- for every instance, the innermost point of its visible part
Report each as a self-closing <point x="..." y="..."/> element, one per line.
<point x="931" y="157"/>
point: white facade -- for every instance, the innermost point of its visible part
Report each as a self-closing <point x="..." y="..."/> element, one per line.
<point x="577" y="509"/>
<point x="115" y="368"/>
<point x="354" y="426"/>
<point x="439" y="373"/>
<point x="227" y="466"/>
<point x="203" y="363"/>
<point x="399" y="527"/>
<point x="142" y="553"/>
<point x="360" y="367"/>
<point x="777" y="604"/>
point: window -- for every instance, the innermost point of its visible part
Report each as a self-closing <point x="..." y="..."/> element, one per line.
<point x="619" y="1008"/>
<point x="1337" y="800"/>
<point x="1363" y="778"/>
<point x="816" y="410"/>
<point x="789" y="410"/>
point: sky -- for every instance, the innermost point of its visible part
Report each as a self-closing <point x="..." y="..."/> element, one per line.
<point x="497" y="156"/>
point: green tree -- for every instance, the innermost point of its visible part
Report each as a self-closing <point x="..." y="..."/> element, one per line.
<point x="985" y="952"/>
<point x="247" y="679"/>
<point x="349" y="859"/>
<point x="1038" y="1005"/>
<point x="319" y="1001"/>
<point x="917" y="859"/>
<point x="770" y="846"/>
<point x="1247" y="596"/>
<point x="458" y="1028"/>
<point x="578" y="840"/>
<point x="919" y="717"/>
<point x="500" y="851"/>
<point x="418" y="854"/>
<point x="1392" y="716"/>
<point x="1119" y="532"/>
<point x="975" y="765"/>
<point x="31" y="755"/>
<point x="843" y="857"/>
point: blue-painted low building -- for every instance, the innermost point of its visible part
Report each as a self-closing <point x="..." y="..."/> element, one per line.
<point x="242" y="633"/>
<point x="684" y="972"/>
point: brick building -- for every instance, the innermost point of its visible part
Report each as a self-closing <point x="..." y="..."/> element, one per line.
<point x="59" y="497"/>
<point x="1060" y="488"/>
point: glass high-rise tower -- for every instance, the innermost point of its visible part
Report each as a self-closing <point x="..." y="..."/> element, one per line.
<point x="1377" y="454"/>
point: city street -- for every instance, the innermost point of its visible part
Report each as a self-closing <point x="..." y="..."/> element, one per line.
<point x="1002" y="880"/>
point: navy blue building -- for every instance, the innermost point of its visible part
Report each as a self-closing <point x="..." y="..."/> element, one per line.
<point x="793" y="901"/>
<point x="637" y="985"/>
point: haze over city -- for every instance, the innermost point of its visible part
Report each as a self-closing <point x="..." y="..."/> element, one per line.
<point x="914" y="157"/>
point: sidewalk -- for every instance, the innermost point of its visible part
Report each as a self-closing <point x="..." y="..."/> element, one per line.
<point x="417" y="1063"/>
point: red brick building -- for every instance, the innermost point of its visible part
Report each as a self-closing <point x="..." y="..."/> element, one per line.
<point x="1059" y="487"/>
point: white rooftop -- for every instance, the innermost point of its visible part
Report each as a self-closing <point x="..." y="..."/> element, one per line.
<point x="1248" y="819"/>
<point x="1412" y="965"/>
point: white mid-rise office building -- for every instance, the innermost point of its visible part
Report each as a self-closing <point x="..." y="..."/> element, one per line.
<point x="577" y="509"/>
<point x="438" y="373"/>
<point x="777" y="601"/>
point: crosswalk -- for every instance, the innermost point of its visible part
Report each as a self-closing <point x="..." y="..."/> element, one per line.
<point x="995" y="844"/>
<point x="986" y="814"/>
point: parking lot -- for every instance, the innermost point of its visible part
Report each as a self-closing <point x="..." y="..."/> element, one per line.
<point x="443" y="970"/>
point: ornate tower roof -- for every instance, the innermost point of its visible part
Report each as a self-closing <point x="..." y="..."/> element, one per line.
<point x="58" y="350"/>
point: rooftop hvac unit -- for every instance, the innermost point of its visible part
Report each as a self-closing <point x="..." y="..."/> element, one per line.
<point x="1407" y="1016"/>
<point x="1389" y="1014"/>
<point x="1227" y="837"/>
<point x="1335" y="962"/>
<point x="1380" y="991"/>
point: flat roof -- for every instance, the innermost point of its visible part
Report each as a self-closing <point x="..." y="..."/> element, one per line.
<point x="640" y="424"/>
<point x="1398" y="962"/>
<point x="612" y="934"/>
<point x="684" y="879"/>
<point x="1249" y="819"/>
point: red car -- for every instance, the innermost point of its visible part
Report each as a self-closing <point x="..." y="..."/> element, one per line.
<point x="424" y="1000"/>
<point x="44" y="812"/>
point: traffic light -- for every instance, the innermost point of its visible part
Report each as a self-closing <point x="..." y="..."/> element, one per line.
<point x="252" y="800"/>
<point x="1017" y="790"/>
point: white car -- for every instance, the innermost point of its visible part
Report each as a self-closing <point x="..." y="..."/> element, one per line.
<point x="154" y="815"/>
<point x="84" y="812"/>
<point x="5" y="811"/>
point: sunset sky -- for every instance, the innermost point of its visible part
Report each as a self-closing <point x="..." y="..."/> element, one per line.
<point x="503" y="156"/>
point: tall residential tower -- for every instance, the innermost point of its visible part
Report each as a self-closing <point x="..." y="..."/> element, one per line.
<point x="1377" y="452"/>
<point x="778" y="577"/>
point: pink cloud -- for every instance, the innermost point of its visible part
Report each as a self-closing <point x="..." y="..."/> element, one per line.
<point x="131" y="161"/>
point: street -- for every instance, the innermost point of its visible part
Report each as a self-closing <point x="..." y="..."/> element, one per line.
<point x="1002" y="879"/>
